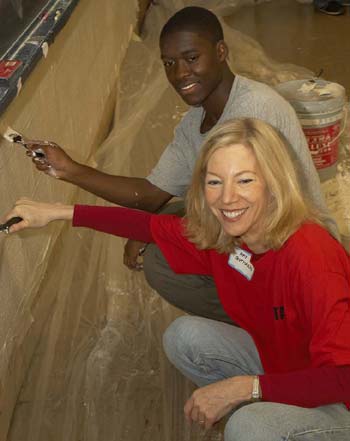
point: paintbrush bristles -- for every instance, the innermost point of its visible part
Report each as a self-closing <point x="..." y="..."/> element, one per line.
<point x="12" y="136"/>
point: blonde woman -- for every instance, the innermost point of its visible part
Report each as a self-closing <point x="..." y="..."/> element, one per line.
<point x="284" y="373"/>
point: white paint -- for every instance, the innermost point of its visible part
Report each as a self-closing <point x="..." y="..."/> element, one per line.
<point x="10" y="134"/>
<point x="45" y="49"/>
<point x="19" y="85"/>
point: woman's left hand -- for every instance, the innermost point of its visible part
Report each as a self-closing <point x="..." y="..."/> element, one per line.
<point x="209" y="404"/>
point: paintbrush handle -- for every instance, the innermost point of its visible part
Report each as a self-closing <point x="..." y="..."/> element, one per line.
<point x="14" y="220"/>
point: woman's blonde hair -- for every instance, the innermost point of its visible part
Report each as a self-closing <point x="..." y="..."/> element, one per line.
<point x="288" y="208"/>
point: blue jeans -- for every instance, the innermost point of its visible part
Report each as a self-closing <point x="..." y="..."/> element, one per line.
<point x="206" y="351"/>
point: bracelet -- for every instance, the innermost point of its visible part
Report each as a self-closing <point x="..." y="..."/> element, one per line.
<point x="256" y="394"/>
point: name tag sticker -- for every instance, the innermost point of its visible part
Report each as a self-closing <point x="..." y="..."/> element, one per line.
<point x="240" y="261"/>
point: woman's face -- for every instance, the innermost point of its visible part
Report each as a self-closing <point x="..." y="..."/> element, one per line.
<point x="237" y="194"/>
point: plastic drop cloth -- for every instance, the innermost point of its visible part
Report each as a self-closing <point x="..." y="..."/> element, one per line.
<point x="80" y="335"/>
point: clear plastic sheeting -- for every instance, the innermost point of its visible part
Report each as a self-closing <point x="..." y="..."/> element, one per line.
<point x="80" y="335"/>
<point x="47" y="299"/>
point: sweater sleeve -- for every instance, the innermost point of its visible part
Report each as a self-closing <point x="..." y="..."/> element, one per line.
<point x="308" y="388"/>
<point x="119" y="221"/>
<point x="165" y="230"/>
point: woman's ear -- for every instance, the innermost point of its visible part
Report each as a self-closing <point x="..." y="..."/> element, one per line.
<point x="222" y="50"/>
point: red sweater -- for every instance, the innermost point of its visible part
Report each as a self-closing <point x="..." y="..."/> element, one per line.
<point x="296" y="305"/>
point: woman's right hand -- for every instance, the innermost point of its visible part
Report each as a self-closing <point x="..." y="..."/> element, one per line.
<point x="37" y="214"/>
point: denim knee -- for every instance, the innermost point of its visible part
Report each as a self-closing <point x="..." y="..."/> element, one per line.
<point x="250" y="423"/>
<point x="177" y="338"/>
<point x="280" y="422"/>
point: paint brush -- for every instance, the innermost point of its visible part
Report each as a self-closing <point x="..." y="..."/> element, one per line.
<point x="16" y="138"/>
<point x="4" y="228"/>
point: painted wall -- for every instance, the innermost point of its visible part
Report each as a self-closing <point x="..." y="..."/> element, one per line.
<point x="70" y="97"/>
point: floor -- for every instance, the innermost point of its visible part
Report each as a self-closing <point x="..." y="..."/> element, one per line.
<point x="291" y="31"/>
<point x="295" y="33"/>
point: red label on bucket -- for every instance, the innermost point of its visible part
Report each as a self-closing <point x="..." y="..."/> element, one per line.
<point x="323" y="144"/>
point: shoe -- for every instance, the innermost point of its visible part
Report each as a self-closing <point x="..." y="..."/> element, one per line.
<point x="332" y="8"/>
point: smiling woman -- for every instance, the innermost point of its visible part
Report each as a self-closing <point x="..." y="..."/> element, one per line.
<point x="280" y="276"/>
<point x="246" y="177"/>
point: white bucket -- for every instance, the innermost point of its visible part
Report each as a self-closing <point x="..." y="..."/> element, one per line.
<point x="319" y="106"/>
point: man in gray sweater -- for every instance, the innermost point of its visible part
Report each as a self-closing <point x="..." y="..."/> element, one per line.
<point x="194" y="55"/>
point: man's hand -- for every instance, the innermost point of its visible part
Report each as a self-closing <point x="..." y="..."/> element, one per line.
<point x="132" y="254"/>
<point x="209" y="404"/>
<point x="55" y="163"/>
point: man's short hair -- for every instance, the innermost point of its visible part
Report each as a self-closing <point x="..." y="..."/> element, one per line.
<point x="194" y="18"/>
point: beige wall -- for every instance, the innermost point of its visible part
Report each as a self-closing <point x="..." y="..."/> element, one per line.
<point x="70" y="98"/>
<point x="143" y="5"/>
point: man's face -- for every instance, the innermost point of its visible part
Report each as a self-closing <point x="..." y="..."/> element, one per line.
<point x="193" y="65"/>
